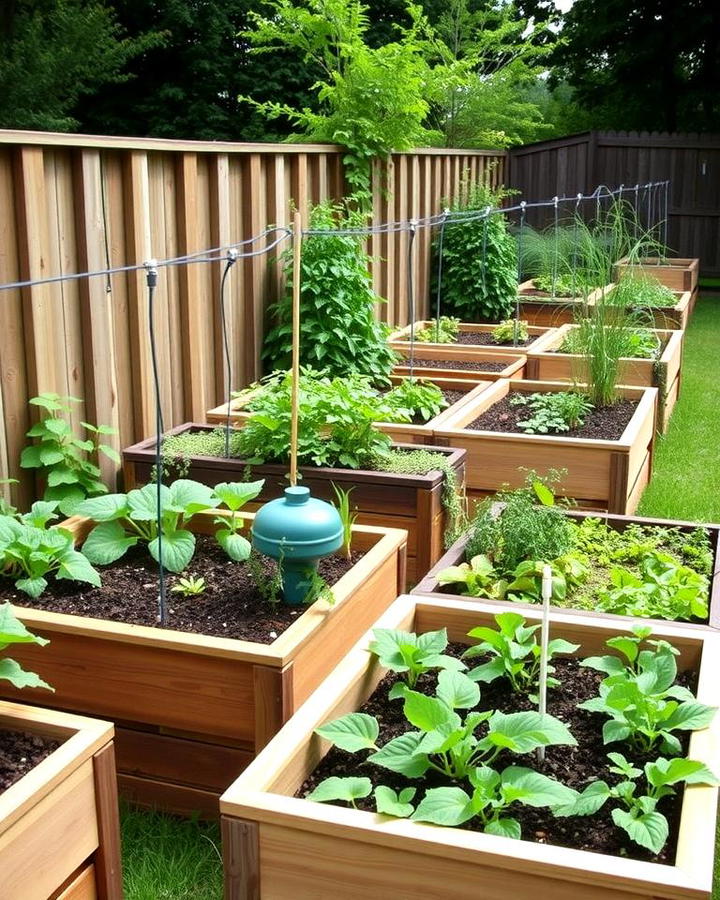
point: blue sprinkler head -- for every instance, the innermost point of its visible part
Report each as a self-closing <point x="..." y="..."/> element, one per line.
<point x="298" y="530"/>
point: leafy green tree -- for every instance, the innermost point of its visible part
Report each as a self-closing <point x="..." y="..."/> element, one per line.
<point x="53" y="52"/>
<point x="646" y="64"/>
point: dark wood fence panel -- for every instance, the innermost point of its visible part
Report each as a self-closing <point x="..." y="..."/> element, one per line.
<point x="579" y="163"/>
<point x="72" y="203"/>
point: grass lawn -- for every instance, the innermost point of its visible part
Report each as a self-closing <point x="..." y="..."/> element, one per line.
<point x="686" y="475"/>
<point x="170" y="859"/>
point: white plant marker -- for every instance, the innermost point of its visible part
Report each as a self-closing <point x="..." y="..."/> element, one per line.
<point x="544" y="638"/>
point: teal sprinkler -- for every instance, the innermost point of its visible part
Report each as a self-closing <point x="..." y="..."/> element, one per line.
<point x="297" y="529"/>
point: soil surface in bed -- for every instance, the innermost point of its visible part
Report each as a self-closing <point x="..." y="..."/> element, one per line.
<point x="230" y="606"/>
<point x="458" y="364"/>
<point x="20" y="752"/>
<point x="602" y="423"/>
<point x="574" y="766"/>
<point x="475" y="338"/>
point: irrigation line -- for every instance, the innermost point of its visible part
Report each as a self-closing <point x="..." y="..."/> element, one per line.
<point x="438" y="296"/>
<point x="411" y="294"/>
<point x="232" y="257"/>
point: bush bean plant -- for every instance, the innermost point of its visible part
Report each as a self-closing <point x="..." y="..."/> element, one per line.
<point x="464" y="760"/>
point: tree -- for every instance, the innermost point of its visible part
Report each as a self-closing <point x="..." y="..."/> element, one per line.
<point x="53" y="52"/>
<point x="646" y="64"/>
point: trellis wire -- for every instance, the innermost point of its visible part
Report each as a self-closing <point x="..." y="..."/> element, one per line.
<point x="411" y="293"/>
<point x="232" y="258"/>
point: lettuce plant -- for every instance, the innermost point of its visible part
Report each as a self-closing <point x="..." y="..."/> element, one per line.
<point x="12" y="631"/>
<point x="127" y="519"/>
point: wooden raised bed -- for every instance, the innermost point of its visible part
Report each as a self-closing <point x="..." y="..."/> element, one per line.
<point x="675" y="317"/>
<point x="399" y="340"/>
<point x="59" y="829"/>
<point x="403" y="432"/>
<point x="677" y="274"/>
<point x="192" y="710"/>
<point x="456" y="555"/>
<point x="546" y="363"/>
<point x="514" y="363"/>
<point x="278" y="847"/>
<point x="411" y="502"/>
<point x="601" y="474"/>
<point x="549" y="313"/>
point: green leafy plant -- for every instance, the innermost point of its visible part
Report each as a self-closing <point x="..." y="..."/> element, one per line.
<point x="637" y="813"/>
<point x="66" y="462"/>
<point x="638" y="291"/>
<point x="339" y="333"/>
<point x="413" y="397"/>
<point x="444" y="330"/>
<point x="643" y="703"/>
<point x="189" y="587"/>
<point x="30" y="551"/>
<point x="347" y="518"/>
<point x="127" y="519"/>
<point x="553" y="413"/>
<point x="479" y="261"/>
<point x="478" y="578"/>
<point x="12" y="631"/>
<point x="514" y="652"/>
<point x="234" y="495"/>
<point x="559" y="286"/>
<point x="636" y="342"/>
<point x="510" y="331"/>
<point x="412" y="655"/>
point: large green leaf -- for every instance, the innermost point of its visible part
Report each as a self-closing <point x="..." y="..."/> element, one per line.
<point x="457" y="690"/>
<point x="690" y="716"/>
<point x="12" y="630"/>
<point x="237" y="493"/>
<point x="504" y="827"/>
<point x="107" y="542"/>
<point x="535" y="789"/>
<point x="353" y="732"/>
<point x="105" y="507"/>
<point x="347" y="789"/>
<point x="444" y="806"/>
<point x="33" y="587"/>
<point x="190" y="497"/>
<point x="428" y="713"/>
<point x="18" y="677"/>
<point x="672" y="771"/>
<point x="401" y="755"/>
<point x="177" y="548"/>
<point x="235" y="545"/>
<point x="586" y="803"/>
<point x="650" y="829"/>
<point x="76" y="567"/>
<point x="142" y="502"/>
<point x="525" y="731"/>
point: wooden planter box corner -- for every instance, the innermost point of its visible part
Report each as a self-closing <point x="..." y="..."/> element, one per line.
<point x="59" y="828"/>
<point x="677" y="274"/>
<point x="551" y="313"/>
<point x="279" y="847"/>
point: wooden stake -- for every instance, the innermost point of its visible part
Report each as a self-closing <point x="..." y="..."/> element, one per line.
<point x="544" y="637"/>
<point x="297" y="255"/>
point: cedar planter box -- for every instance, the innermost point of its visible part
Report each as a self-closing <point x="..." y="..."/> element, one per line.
<point x="601" y="474"/>
<point x="403" y="432"/>
<point x="549" y="313"/>
<point x="456" y="555"/>
<point x="411" y="502"/>
<point x="279" y="847"/>
<point x="514" y="363"/>
<point x="676" y="317"/>
<point x="59" y="830"/>
<point x="191" y="709"/>
<point x="400" y="339"/>
<point x="546" y="363"/>
<point x="677" y="274"/>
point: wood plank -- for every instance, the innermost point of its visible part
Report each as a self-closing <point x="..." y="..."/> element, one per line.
<point x="241" y="859"/>
<point x="179" y="800"/>
<point x="82" y="887"/>
<point x="108" y="868"/>
<point x="273" y="690"/>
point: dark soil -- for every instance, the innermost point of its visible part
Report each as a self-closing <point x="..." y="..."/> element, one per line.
<point x="475" y="338"/>
<point x="575" y="766"/>
<point x="458" y="364"/>
<point x="20" y="752"/>
<point x="230" y="606"/>
<point x="604" y="423"/>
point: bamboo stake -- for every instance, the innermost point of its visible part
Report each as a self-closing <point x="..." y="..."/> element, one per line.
<point x="297" y="254"/>
<point x="544" y="638"/>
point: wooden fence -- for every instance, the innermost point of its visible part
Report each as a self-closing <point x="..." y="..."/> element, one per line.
<point x="75" y="203"/>
<point x="579" y="163"/>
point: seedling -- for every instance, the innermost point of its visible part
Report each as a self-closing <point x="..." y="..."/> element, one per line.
<point x="189" y="587"/>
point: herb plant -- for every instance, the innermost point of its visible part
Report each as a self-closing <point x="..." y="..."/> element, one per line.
<point x="347" y="518"/>
<point x="66" y="462"/>
<point x="563" y="286"/>
<point x="127" y="519"/>
<point x="640" y="292"/>
<point x="30" y="551"/>
<point x="444" y="330"/>
<point x="636" y="342"/>
<point x="12" y="631"/>
<point x="510" y="330"/>
<point x="339" y="333"/>
<point x="416" y="398"/>
<point x="643" y="703"/>
<point x="479" y="262"/>
<point x="553" y="413"/>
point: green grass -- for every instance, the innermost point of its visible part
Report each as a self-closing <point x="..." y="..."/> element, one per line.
<point x="686" y="476"/>
<point x="165" y="858"/>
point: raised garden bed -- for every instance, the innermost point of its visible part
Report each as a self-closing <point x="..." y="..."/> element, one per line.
<point x="449" y="362"/>
<point x="547" y="363"/>
<point x="281" y="846"/>
<point x="540" y="308"/>
<point x="385" y="499"/>
<point x="475" y="336"/>
<point x="456" y="555"/>
<point x="676" y="317"/>
<point x="456" y="391"/>
<point x="677" y="274"/>
<point x="59" y="830"/>
<point x="601" y="473"/>
<point x="192" y="709"/>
